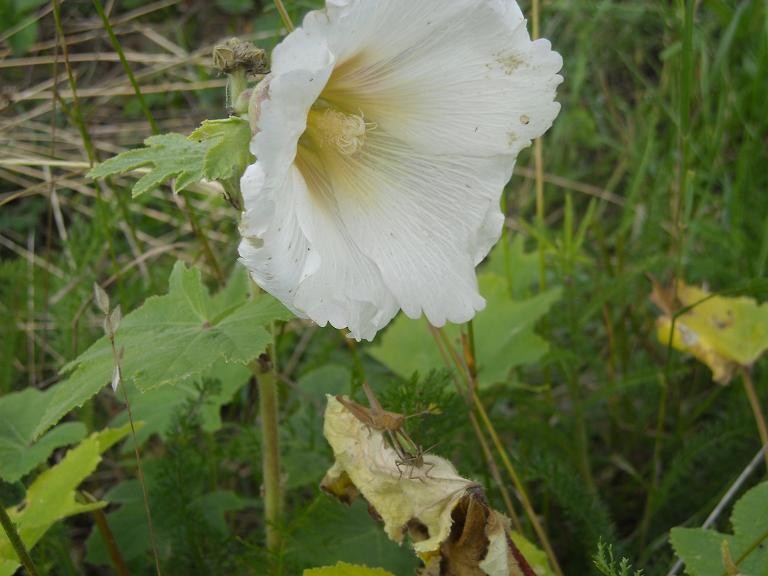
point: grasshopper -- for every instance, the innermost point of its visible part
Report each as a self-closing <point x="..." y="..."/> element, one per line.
<point x="393" y="425"/>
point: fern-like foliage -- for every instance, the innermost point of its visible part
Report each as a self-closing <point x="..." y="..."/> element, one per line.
<point x="703" y="466"/>
<point x="184" y="479"/>
<point x="432" y="396"/>
<point x="607" y="565"/>
<point x="588" y="516"/>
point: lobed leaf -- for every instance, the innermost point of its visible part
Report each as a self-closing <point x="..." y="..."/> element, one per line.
<point x="702" y="549"/>
<point x="217" y="150"/>
<point x="168" y="155"/>
<point x="504" y="335"/>
<point x="157" y="407"/>
<point x="20" y="412"/>
<point x="51" y="497"/>
<point x="170" y="339"/>
<point x="228" y="152"/>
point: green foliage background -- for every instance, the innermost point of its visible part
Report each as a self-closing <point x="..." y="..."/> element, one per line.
<point x="656" y="165"/>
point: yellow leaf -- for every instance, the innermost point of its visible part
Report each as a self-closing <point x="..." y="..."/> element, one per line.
<point x="344" y="569"/>
<point x="724" y="333"/>
<point x="451" y="526"/>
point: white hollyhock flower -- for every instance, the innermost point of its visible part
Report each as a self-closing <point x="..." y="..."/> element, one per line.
<point x="385" y="135"/>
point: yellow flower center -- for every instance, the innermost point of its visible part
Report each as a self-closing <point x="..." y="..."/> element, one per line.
<point x="344" y="132"/>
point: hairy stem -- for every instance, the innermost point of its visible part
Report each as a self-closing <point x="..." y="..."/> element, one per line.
<point x="273" y="497"/>
<point x="18" y="545"/>
<point x="268" y="406"/>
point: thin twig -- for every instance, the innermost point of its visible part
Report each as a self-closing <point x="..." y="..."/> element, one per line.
<point x="91" y="57"/>
<point x="522" y="494"/>
<point x="518" y="483"/>
<point x="471" y="363"/>
<point x="100" y="519"/>
<point x="576" y="186"/>
<point x="754" y="402"/>
<point x="86" y="137"/>
<point x="126" y="67"/>
<point x="284" y="16"/>
<point x="140" y="471"/>
<point x="189" y="211"/>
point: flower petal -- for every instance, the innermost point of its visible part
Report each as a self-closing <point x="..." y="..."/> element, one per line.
<point x="461" y="77"/>
<point x="392" y="198"/>
<point x="298" y="250"/>
<point x="274" y="247"/>
<point x="424" y="220"/>
<point x="347" y="289"/>
<point x="301" y="67"/>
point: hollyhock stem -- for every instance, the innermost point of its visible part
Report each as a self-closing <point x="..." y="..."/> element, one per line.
<point x="265" y="372"/>
<point x="271" y="458"/>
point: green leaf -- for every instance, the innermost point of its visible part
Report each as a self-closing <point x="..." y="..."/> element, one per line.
<point x="20" y="413"/>
<point x="215" y="505"/>
<point x="217" y="150"/>
<point x="344" y="569"/>
<point x="536" y="557"/>
<point x="168" y="155"/>
<point x="157" y="407"/>
<point x="504" y="335"/>
<point x="508" y="259"/>
<point x="228" y="154"/>
<point x="51" y="497"/>
<point x="129" y="521"/>
<point x="355" y="538"/>
<point x="304" y="464"/>
<point x="701" y="549"/>
<point x="171" y="339"/>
